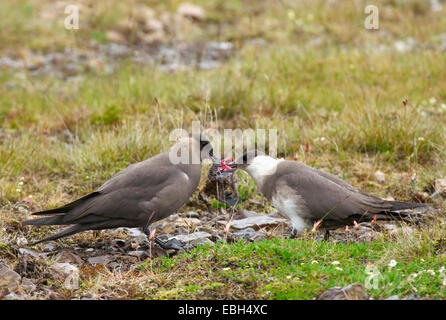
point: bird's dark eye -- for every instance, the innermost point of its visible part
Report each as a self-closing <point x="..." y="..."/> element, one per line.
<point x="245" y="158"/>
<point x="203" y="144"/>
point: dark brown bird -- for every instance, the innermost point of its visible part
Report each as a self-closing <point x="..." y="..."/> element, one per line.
<point x="306" y="195"/>
<point x="137" y="196"/>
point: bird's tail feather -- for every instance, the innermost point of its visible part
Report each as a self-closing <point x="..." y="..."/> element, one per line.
<point x="400" y="205"/>
<point x="47" y="221"/>
<point x="403" y="211"/>
<point x="65" y="232"/>
<point x="68" y="206"/>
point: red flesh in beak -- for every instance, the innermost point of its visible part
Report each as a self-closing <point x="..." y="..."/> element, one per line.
<point x="223" y="164"/>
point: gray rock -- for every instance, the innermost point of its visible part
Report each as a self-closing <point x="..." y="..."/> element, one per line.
<point x="136" y="253"/>
<point x="32" y="253"/>
<point x="249" y="234"/>
<point x="68" y="273"/>
<point x="189" y="10"/>
<point x="9" y="279"/>
<point x="64" y="268"/>
<point x="353" y="291"/>
<point x="255" y="222"/>
<point x="198" y="237"/>
<point x="192" y="214"/>
<point x="28" y="285"/>
<point x="14" y="296"/>
<point x="118" y="243"/>
<point x="413" y="296"/>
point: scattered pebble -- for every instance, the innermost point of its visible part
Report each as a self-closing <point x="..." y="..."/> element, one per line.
<point x="351" y="292"/>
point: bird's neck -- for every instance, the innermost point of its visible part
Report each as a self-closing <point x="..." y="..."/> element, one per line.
<point x="262" y="167"/>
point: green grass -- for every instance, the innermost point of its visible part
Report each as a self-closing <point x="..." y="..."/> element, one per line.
<point x="296" y="269"/>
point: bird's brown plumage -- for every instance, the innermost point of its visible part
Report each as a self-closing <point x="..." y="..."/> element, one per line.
<point x="139" y="195"/>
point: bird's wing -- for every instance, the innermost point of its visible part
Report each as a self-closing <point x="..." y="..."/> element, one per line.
<point x="334" y="179"/>
<point x="130" y="193"/>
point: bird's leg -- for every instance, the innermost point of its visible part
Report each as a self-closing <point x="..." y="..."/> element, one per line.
<point x="151" y="239"/>
<point x="169" y="244"/>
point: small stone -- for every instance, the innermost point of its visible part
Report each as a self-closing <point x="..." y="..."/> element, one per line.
<point x="49" y="247"/>
<point x="389" y="227"/>
<point x="255" y="222"/>
<point x="29" y="252"/>
<point x="188" y="222"/>
<point x="412" y="296"/>
<point x="189" y="10"/>
<point x="118" y="243"/>
<point x="351" y="292"/>
<point x="21" y="241"/>
<point x="136" y="253"/>
<point x="28" y="285"/>
<point x="14" y="296"/>
<point x="100" y="260"/>
<point x="142" y="13"/>
<point x="64" y="268"/>
<point x="153" y="25"/>
<point x="421" y="196"/>
<point x="249" y="234"/>
<point x="115" y="36"/>
<point x="192" y="214"/>
<point x="69" y="274"/>
<point x="69" y="257"/>
<point x="193" y="238"/>
<point x="9" y="279"/>
<point x="379" y="176"/>
<point x="440" y="186"/>
<point x="23" y="210"/>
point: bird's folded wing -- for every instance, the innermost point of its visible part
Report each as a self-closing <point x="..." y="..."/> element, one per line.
<point x="326" y="199"/>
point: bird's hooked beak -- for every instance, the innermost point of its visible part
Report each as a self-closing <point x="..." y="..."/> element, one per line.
<point x="225" y="168"/>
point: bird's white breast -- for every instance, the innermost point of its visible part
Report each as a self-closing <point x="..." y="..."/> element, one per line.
<point x="291" y="209"/>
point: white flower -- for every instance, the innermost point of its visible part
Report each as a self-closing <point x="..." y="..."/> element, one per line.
<point x="21" y="183"/>
<point x="441" y="269"/>
<point x="335" y="263"/>
<point x="420" y="139"/>
<point x="339" y="269"/>
<point x="226" y="269"/>
<point x="432" y="100"/>
<point x="443" y="106"/>
<point x="392" y="263"/>
<point x="314" y="262"/>
<point x="431" y="272"/>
